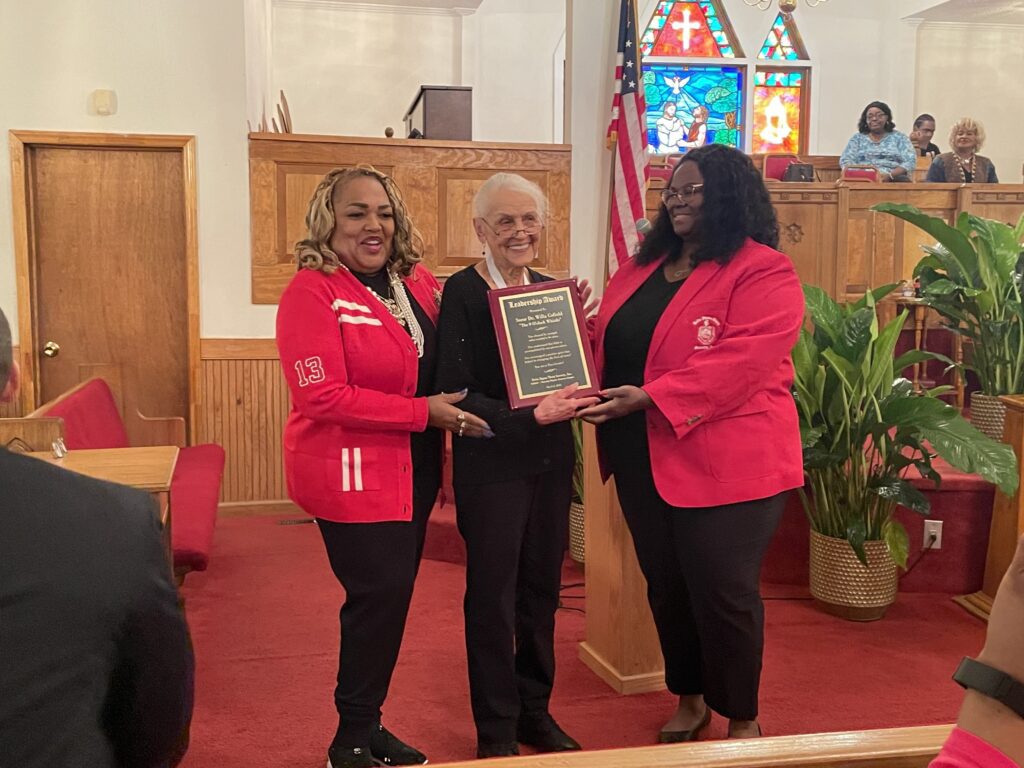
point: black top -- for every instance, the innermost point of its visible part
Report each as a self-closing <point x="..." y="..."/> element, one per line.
<point x="931" y="149"/>
<point x="468" y="358"/>
<point x="95" y="665"/>
<point x="626" y="343"/>
<point x="425" y="447"/>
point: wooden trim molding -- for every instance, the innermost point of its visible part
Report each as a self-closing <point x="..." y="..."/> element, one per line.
<point x="889" y="748"/>
<point x="238" y="349"/>
<point x="21" y="142"/>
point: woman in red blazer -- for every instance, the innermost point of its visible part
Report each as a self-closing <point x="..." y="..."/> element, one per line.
<point x="699" y="426"/>
<point x="362" y="445"/>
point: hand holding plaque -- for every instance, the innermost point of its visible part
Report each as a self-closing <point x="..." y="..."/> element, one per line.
<point x="543" y="341"/>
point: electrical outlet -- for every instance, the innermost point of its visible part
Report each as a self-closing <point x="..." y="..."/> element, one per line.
<point x="933" y="528"/>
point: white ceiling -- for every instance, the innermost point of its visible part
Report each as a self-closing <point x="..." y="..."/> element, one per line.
<point x="975" y="12"/>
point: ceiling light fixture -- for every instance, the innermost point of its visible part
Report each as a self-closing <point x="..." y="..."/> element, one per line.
<point x="786" y="7"/>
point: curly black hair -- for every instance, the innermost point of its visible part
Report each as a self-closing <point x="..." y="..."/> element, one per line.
<point x="862" y="124"/>
<point x="736" y="206"/>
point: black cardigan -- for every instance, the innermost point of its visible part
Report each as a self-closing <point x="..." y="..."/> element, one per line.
<point x="468" y="358"/>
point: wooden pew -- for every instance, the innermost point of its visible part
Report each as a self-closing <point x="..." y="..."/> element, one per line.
<point x="24" y="435"/>
<point x="838" y="243"/>
<point x="889" y="748"/>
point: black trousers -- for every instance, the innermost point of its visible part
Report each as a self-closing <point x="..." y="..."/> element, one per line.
<point x="376" y="564"/>
<point x="703" y="566"/>
<point x="515" y="533"/>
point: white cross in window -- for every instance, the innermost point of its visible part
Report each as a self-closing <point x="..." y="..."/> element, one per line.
<point x="686" y="26"/>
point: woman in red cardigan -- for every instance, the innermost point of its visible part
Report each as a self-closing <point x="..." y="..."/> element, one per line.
<point x="362" y="445"/>
<point x="699" y="426"/>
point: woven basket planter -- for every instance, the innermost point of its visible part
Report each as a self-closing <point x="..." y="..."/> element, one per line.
<point x="846" y="588"/>
<point x="577" y="548"/>
<point x="988" y="414"/>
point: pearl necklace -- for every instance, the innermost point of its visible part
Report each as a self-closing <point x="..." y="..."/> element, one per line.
<point x="399" y="307"/>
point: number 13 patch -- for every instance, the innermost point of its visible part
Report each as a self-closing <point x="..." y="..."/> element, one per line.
<point x="309" y="371"/>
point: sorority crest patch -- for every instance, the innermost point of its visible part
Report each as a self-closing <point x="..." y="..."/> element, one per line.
<point x="707" y="330"/>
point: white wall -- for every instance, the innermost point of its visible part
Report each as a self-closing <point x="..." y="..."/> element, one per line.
<point x="509" y="59"/>
<point x="178" y="67"/>
<point x="353" y="70"/>
<point x="975" y="71"/>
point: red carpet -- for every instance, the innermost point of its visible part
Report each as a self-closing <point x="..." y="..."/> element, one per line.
<point x="264" y="620"/>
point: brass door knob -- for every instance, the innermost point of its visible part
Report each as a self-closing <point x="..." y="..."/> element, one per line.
<point x="51" y="349"/>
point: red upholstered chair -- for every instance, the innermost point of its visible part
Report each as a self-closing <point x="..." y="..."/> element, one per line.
<point x="92" y="420"/>
<point x="860" y="173"/>
<point x="663" y="172"/>
<point x="774" y="167"/>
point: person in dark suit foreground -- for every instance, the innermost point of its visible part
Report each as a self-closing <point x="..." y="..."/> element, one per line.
<point x="95" y="664"/>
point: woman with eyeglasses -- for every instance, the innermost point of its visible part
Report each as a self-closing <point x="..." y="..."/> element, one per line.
<point x="699" y="428"/>
<point x="511" y="495"/>
<point x="877" y="143"/>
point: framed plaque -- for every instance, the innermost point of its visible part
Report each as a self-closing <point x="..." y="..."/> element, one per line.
<point x="542" y="337"/>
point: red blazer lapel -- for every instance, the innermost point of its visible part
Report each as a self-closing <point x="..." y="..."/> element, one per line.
<point x="623" y="284"/>
<point x="689" y="289"/>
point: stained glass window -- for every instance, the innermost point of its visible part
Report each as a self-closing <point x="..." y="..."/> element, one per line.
<point x="689" y="29"/>
<point x="692" y="105"/>
<point x="783" y="42"/>
<point x="779" y="99"/>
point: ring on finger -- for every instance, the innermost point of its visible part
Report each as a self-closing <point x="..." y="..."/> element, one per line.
<point x="460" y="417"/>
<point x="462" y="427"/>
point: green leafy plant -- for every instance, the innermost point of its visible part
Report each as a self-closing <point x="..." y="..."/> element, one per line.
<point x="863" y="427"/>
<point x="972" y="278"/>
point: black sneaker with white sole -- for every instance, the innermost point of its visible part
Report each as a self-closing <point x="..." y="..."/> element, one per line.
<point x="350" y="757"/>
<point x="388" y="749"/>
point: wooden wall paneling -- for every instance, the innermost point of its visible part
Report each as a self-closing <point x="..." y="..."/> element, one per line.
<point x="244" y="405"/>
<point x="808" y="222"/>
<point x="284" y="171"/>
<point x="12" y="409"/>
<point x="995" y="203"/>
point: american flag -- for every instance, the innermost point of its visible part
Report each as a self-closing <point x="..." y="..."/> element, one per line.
<point x="629" y="135"/>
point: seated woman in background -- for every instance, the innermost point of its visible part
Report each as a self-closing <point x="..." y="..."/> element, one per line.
<point x="880" y="145"/>
<point x="921" y="136"/>
<point x="964" y="164"/>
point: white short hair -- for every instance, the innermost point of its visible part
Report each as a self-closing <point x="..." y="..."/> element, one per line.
<point x="513" y="181"/>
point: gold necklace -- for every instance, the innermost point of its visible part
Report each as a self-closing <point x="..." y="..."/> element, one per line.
<point x="392" y="307"/>
<point x="962" y="167"/>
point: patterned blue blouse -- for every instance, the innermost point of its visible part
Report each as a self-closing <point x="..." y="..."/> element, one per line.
<point x="894" y="150"/>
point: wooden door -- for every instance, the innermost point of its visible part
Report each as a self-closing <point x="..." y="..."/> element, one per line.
<point x="109" y="231"/>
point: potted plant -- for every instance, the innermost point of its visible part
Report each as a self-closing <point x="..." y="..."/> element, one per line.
<point x="863" y="429"/>
<point x="577" y="549"/>
<point x="972" y="278"/>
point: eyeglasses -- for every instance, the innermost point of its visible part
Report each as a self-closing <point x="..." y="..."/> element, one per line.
<point x="509" y="227"/>
<point x="683" y="193"/>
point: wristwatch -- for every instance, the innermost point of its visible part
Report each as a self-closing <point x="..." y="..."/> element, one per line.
<point x="991" y="682"/>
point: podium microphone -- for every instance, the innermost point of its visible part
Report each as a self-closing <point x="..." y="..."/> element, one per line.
<point x="643" y="228"/>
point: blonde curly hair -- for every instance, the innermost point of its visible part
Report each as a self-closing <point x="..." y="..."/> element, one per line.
<point x="967" y="124"/>
<point x="314" y="252"/>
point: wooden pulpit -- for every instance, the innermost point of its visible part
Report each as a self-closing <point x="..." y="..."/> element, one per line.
<point x="621" y="644"/>
<point x="1007" y="517"/>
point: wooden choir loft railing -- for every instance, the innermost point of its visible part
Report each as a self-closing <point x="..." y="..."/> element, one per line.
<point x="889" y="748"/>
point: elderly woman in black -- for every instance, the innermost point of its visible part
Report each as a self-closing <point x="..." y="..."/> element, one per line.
<point x="512" y="494"/>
